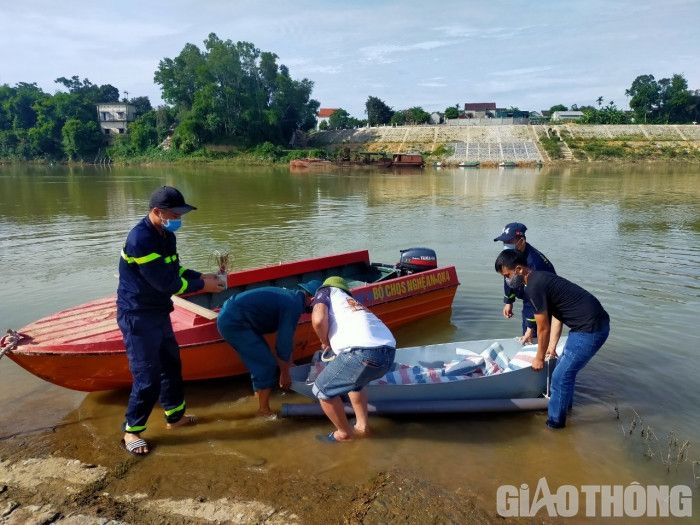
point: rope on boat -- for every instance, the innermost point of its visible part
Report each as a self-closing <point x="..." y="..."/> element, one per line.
<point x="10" y="341"/>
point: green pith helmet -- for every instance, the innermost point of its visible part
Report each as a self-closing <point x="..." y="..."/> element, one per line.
<point x="336" y="282"/>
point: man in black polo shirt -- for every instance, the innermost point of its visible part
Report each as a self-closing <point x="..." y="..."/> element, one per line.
<point x="556" y="301"/>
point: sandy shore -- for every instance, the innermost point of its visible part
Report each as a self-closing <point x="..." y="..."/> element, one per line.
<point x="76" y="472"/>
<point x="42" y="482"/>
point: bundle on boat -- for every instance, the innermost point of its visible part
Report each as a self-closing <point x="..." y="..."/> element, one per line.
<point x="466" y="376"/>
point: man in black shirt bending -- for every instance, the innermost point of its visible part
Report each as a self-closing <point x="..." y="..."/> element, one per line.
<point x="558" y="301"/>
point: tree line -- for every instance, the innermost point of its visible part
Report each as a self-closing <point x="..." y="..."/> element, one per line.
<point x="663" y="101"/>
<point x="233" y="93"/>
<point x="36" y="124"/>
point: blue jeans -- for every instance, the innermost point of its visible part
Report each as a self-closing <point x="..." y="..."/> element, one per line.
<point x="580" y="347"/>
<point x="351" y="371"/>
<point x="251" y="347"/>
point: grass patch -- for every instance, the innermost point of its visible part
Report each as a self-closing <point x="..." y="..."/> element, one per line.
<point x="552" y="145"/>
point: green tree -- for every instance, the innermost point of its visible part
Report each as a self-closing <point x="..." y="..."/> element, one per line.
<point x="609" y="114"/>
<point x="377" y="111"/>
<point x="558" y="107"/>
<point x="142" y="104"/>
<point x="675" y="99"/>
<point x="91" y="92"/>
<point x="340" y="119"/>
<point x="398" y="118"/>
<point x="451" y="112"/>
<point x="165" y="121"/>
<point x="233" y="91"/>
<point x="416" y="115"/>
<point x="645" y="96"/>
<point x="81" y="140"/>
<point x="181" y="77"/>
<point x="143" y="132"/>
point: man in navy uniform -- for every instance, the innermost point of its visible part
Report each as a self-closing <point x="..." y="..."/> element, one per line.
<point x="557" y="301"/>
<point x="149" y="273"/>
<point x="513" y="238"/>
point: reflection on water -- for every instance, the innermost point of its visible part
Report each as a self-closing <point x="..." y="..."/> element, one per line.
<point x="628" y="234"/>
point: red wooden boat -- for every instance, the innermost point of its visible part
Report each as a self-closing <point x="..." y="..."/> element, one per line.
<point x="81" y="348"/>
<point x="310" y="163"/>
<point x="407" y="160"/>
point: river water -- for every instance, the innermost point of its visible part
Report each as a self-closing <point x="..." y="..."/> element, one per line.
<point x="628" y="234"/>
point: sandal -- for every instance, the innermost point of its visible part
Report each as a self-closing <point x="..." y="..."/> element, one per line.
<point x="132" y="447"/>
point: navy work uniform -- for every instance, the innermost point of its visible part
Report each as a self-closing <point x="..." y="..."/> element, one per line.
<point x="535" y="261"/>
<point x="149" y="273"/>
<point x="244" y="319"/>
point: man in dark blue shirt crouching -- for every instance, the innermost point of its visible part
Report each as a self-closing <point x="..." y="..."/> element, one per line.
<point x="247" y="317"/>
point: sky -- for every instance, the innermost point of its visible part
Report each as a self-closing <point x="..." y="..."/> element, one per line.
<point x="531" y="54"/>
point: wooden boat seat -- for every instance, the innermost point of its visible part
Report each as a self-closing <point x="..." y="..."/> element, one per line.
<point x="194" y="308"/>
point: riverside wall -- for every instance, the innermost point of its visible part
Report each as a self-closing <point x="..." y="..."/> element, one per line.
<point x="532" y="143"/>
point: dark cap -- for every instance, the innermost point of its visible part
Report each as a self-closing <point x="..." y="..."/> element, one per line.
<point x="513" y="230"/>
<point x="169" y="198"/>
<point x="311" y="287"/>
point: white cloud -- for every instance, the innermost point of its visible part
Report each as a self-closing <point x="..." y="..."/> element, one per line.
<point x="432" y="84"/>
<point x="302" y="66"/>
<point x="383" y="53"/>
<point x="520" y="71"/>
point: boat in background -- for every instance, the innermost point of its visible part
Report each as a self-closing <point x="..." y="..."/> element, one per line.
<point x="469" y="164"/>
<point x="507" y="164"/>
<point x="407" y="160"/>
<point x="81" y="348"/>
<point x="310" y="163"/>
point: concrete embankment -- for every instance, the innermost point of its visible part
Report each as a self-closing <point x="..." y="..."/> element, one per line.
<point x="523" y="144"/>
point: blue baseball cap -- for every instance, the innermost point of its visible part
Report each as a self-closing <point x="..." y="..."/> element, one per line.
<point x="310" y="287"/>
<point x="513" y="230"/>
<point x="169" y="198"/>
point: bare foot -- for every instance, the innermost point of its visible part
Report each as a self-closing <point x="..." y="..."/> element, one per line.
<point x="342" y="436"/>
<point x="186" y="421"/>
<point x="266" y="414"/>
<point x="362" y="432"/>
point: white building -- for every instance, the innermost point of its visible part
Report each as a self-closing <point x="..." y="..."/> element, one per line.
<point x="114" y="117"/>
<point x="566" y="115"/>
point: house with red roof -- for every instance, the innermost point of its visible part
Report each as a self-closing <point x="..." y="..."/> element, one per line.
<point x="480" y="110"/>
<point x="323" y="115"/>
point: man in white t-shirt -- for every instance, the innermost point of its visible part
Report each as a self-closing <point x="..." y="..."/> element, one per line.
<point x="364" y="350"/>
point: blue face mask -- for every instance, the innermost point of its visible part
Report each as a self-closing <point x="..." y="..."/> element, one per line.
<point x="172" y="225"/>
<point x="508" y="246"/>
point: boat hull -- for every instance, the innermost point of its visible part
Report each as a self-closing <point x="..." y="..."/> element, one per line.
<point x="525" y="383"/>
<point x="82" y="349"/>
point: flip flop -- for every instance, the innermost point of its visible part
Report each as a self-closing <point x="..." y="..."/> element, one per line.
<point x="330" y="438"/>
<point x="132" y="446"/>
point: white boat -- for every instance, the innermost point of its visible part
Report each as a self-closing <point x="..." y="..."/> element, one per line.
<point x="484" y="375"/>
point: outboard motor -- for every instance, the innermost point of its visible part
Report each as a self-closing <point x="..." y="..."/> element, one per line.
<point x="415" y="260"/>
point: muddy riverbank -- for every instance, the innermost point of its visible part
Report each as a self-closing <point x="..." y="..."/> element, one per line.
<point x="76" y="472"/>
